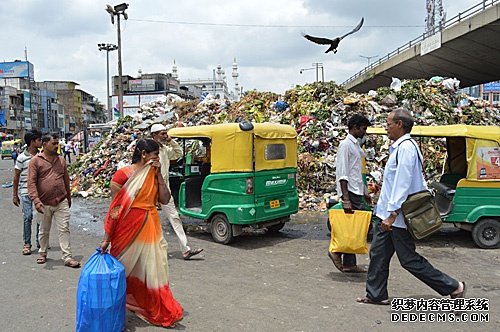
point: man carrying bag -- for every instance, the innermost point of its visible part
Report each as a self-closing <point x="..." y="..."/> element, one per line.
<point x="350" y="187"/>
<point x="402" y="177"/>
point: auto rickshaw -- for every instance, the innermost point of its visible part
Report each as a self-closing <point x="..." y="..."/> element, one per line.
<point x="238" y="174"/>
<point x="468" y="192"/>
<point x="7" y="147"/>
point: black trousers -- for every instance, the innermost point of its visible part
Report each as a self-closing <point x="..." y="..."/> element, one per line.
<point x="382" y="249"/>
<point x="349" y="260"/>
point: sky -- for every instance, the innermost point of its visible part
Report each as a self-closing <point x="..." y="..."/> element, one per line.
<point x="264" y="36"/>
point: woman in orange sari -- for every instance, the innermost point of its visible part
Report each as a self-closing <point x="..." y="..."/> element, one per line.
<point x="133" y="228"/>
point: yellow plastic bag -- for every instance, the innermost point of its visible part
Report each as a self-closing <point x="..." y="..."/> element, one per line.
<point x="349" y="231"/>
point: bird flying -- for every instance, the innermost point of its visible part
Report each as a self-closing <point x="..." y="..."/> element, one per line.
<point x="334" y="43"/>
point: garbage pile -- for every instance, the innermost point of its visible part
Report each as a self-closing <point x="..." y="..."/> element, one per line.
<point x="318" y="111"/>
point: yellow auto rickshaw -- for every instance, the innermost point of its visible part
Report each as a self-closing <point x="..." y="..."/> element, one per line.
<point x="468" y="192"/>
<point x="8" y="146"/>
<point x="238" y="174"/>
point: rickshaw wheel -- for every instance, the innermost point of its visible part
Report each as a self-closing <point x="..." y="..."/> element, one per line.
<point x="221" y="229"/>
<point x="486" y="233"/>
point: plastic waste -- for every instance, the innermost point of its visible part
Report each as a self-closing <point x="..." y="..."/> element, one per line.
<point x="101" y="295"/>
<point x="396" y="84"/>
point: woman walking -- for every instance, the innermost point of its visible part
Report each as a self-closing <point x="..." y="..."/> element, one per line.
<point x="133" y="228"/>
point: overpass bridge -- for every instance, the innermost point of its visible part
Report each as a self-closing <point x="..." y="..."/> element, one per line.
<point x="466" y="47"/>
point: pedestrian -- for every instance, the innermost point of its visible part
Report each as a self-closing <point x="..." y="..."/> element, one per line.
<point x="133" y="228"/>
<point x="33" y="140"/>
<point x="14" y="153"/>
<point x="67" y="151"/>
<point x="171" y="150"/>
<point x="76" y="148"/>
<point x="48" y="187"/>
<point x="350" y="185"/>
<point x="403" y="175"/>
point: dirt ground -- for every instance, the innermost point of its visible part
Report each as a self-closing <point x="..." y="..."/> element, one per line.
<point x="261" y="282"/>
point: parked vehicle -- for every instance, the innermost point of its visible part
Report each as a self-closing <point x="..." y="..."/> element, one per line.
<point x="8" y="146"/>
<point x="235" y="175"/>
<point x="468" y="192"/>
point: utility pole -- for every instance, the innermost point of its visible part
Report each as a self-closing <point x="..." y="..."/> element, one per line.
<point x="117" y="11"/>
<point x="108" y="48"/>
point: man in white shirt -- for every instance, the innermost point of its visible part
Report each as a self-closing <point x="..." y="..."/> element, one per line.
<point x="350" y="186"/>
<point x="170" y="150"/>
<point x="402" y="176"/>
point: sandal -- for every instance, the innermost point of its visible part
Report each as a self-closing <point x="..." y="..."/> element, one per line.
<point x="191" y="253"/>
<point x="367" y="300"/>
<point x="460" y="295"/>
<point x="337" y="260"/>
<point x="27" y="249"/>
<point x="72" y="263"/>
<point x="42" y="258"/>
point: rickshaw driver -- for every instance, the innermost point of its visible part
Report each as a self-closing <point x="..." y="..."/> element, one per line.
<point x="170" y="150"/>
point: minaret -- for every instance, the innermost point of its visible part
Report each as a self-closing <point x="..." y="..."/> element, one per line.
<point x="174" y="70"/>
<point x="235" y="78"/>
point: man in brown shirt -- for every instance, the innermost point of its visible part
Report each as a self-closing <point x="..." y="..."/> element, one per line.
<point x="48" y="187"/>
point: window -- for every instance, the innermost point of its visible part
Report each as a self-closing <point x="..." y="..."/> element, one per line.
<point x="275" y="151"/>
<point x="486" y="96"/>
<point x="496" y="97"/>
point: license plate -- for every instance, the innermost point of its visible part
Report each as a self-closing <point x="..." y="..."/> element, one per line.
<point x="274" y="204"/>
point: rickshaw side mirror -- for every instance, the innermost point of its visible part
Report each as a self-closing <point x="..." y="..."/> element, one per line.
<point x="246" y="125"/>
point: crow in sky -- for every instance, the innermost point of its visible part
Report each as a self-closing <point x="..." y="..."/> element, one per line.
<point x="334" y="43"/>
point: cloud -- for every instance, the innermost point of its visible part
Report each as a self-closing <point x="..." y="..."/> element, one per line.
<point x="62" y="36"/>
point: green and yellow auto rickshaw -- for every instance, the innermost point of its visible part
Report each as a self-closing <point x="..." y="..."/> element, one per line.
<point x="468" y="192"/>
<point x="8" y="146"/>
<point x="238" y="174"/>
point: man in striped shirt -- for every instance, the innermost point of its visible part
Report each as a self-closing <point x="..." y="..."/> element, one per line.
<point x="33" y="139"/>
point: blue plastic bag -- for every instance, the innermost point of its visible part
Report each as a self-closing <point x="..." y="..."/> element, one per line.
<point x="101" y="295"/>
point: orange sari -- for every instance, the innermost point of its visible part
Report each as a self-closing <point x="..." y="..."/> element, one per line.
<point x="137" y="242"/>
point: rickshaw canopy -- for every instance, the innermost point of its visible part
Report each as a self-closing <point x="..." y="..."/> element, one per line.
<point x="482" y="147"/>
<point x="232" y="149"/>
<point x="491" y="133"/>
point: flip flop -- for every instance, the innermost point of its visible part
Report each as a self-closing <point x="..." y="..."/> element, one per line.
<point x="337" y="261"/>
<point x="366" y="300"/>
<point x="460" y="295"/>
<point x="191" y="253"/>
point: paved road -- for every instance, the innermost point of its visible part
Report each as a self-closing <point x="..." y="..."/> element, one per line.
<point x="260" y="283"/>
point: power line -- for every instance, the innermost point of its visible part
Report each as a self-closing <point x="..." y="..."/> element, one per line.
<point x="269" y="25"/>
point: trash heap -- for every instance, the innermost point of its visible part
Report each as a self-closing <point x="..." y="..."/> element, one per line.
<point x="318" y="111"/>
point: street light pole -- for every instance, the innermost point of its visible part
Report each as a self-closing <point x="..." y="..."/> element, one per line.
<point x="108" y="48"/>
<point x="368" y="57"/>
<point x="317" y="66"/>
<point x="117" y="11"/>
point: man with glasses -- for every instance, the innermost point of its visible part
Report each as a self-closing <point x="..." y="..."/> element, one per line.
<point x="402" y="176"/>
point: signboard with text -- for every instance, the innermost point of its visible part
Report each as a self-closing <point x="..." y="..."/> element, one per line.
<point x="430" y="43"/>
<point x="16" y="69"/>
<point x="492" y="86"/>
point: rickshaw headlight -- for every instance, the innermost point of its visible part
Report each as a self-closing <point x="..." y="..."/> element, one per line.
<point x="249" y="186"/>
